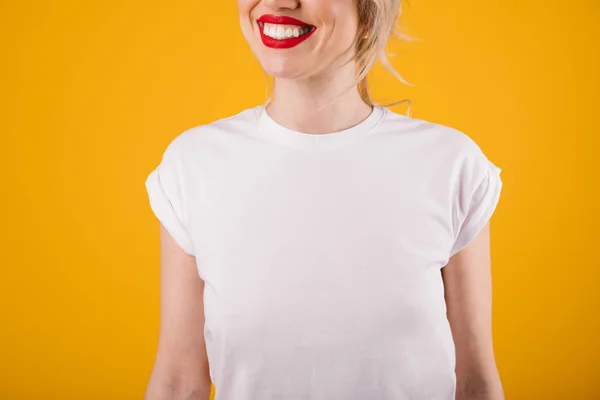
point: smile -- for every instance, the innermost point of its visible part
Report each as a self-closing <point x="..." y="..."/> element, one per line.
<point x="282" y="32"/>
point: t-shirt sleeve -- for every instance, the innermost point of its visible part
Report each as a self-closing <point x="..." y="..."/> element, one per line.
<point x="478" y="196"/>
<point x="164" y="186"/>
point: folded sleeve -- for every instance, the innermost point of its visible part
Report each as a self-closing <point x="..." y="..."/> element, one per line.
<point x="166" y="195"/>
<point x="477" y="201"/>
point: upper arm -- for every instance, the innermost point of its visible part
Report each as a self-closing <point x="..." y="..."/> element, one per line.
<point x="181" y="365"/>
<point x="468" y="292"/>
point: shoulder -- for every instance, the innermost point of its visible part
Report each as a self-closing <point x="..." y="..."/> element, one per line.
<point x="190" y="141"/>
<point x="439" y="141"/>
<point x="432" y="133"/>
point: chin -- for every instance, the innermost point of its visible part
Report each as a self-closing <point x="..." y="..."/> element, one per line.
<point x="282" y="68"/>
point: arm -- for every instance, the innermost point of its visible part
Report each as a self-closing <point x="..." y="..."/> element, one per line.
<point x="181" y="367"/>
<point x="467" y="282"/>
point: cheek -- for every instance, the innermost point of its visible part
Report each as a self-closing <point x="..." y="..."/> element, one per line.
<point x="340" y="39"/>
<point x="245" y="8"/>
<point x="246" y="5"/>
<point x="341" y="20"/>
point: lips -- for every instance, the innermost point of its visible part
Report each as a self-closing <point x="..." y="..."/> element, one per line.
<point x="281" y="19"/>
<point x="287" y="42"/>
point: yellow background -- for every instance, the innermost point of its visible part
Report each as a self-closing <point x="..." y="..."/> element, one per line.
<point x="92" y="92"/>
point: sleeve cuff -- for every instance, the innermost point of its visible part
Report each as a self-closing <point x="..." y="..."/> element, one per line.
<point x="482" y="209"/>
<point x="163" y="209"/>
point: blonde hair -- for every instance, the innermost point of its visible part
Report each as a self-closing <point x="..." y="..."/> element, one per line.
<point x="378" y="22"/>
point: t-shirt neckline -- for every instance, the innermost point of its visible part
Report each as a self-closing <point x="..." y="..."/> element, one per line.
<point x="270" y="129"/>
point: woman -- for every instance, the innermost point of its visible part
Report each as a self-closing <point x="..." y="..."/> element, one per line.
<point x="321" y="247"/>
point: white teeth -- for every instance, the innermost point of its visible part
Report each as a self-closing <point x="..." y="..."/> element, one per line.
<point x="277" y="31"/>
<point x="280" y="32"/>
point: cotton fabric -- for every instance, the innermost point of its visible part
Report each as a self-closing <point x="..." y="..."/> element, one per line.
<point x="322" y="253"/>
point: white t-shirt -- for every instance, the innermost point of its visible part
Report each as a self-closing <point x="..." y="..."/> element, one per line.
<point x="321" y="253"/>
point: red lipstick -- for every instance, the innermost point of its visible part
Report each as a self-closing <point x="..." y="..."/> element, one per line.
<point x="282" y="20"/>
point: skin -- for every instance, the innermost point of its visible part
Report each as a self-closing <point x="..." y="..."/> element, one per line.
<point x="307" y="77"/>
<point x="468" y="292"/>
<point x="310" y="75"/>
<point x="181" y="367"/>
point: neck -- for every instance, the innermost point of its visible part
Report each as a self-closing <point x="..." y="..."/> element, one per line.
<point x="306" y="104"/>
